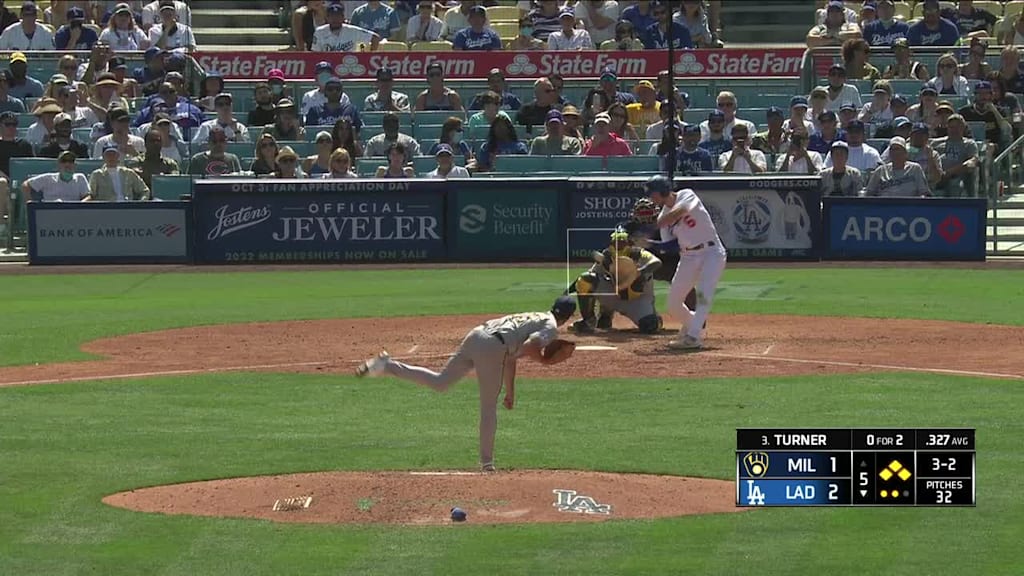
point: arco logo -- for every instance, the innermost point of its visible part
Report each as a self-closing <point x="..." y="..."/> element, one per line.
<point x="951" y="229"/>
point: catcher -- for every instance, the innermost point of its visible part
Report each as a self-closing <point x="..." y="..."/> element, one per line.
<point x="492" y="350"/>
<point x="620" y="280"/>
<point x="644" y="232"/>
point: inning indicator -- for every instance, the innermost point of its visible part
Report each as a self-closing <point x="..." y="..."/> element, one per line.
<point x="855" y="467"/>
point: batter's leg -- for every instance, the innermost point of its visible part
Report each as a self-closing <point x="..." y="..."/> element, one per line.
<point x="490" y="375"/>
<point x="683" y="281"/>
<point x="714" y="266"/>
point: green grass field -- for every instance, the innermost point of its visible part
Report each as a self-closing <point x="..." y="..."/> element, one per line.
<point x="63" y="447"/>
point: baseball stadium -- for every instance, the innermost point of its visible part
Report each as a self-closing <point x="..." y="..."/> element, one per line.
<point x="511" y="287"/>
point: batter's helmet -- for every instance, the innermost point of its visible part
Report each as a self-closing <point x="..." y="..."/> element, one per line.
<point x="564" y="307"/>
<point x="659" y="184"/>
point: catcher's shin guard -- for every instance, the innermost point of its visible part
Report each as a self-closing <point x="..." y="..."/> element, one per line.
<point x="587" y="317"/>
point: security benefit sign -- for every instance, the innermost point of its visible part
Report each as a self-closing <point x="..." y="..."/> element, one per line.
<point x="310" y="221"/>
<point x="109" y="232"/>
<point x="506" y="220"/>
<point x="765" y="218"/>
<point x="905" y="228"/>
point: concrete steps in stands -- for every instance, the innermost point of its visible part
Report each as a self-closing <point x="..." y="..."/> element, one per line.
<point x="237" y="25"/>
<point x="242" y="38"/>
<point x="766" y="23"/>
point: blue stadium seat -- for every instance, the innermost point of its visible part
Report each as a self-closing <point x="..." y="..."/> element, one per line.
<point x="170" y="188"/>
<point x="436" y="117"/>
<point x="422" y="131"/>
<point x="521" y="164"/>
<point x="368" y="166"/>
<point x="577" y="164"/>
<point x="630" y="164"/>
<point x="242" y="149"/>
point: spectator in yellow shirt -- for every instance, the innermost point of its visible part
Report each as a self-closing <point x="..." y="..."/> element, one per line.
<point x="647" y="110"/>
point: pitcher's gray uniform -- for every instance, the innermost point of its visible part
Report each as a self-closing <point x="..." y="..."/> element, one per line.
<point x="490" y="349"/>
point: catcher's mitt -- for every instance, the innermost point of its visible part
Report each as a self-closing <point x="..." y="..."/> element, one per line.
<point x="644" y="211"/>
<point x="558" y="350"/>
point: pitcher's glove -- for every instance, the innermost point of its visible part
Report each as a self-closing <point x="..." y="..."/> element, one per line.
<point x="558" y="350"/>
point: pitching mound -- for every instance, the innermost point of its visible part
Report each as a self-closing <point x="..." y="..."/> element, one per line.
<point x="423" y="498"/>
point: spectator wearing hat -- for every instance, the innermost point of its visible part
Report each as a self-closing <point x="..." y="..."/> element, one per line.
<point x="555" y="142"/>
<point x="666" y="90"/>
<point x="341" y="166"/>
<point x="457" y="18"/>
<point x="169" y="34"/>
<point x="113" y="182"/>
<point x="656" y="36"/>
<point x="232" y="128"/>
<point x="949" y="81"/>
<point x="154" y="161"/>
<point x="904" y="67"/>
<point x="797" y="159"/>
<point x="316" y="97"/>
<point x="640" y="15"/>
<point x="286" y="125"/>
<point x="818" y="101"/>
<point x="524" y="40"/>
<point x="849" y="14"/>
<point x="878" y="110"/>
<point x="334" y="109"/>
<point x="899" y="105"/>
<point x="320" y="162"/>
<point x="868" y="14"/>
<point x="839" y="178"/>
<point x="728" y="104"/>
<point x="572" y="122"/>
<point x="122" y="33"/>
<point x="185" y="115"/>
<point x="821" y="140"/>
<point x="798" y="116"/>
<point x="424" y="26"/>
<point x="546" y="19"/>
<point x="397" y="167"/>
<point x="263" y="111"/>
<point x="446" y="168"/>
<point x="437" y="96"/>
<point x="944" y="110"/>
<point x="901" y="126"/>
<point x="61" y="140"/>
<point x="68" y="98"/>
<point x="38" y="134"/>
<point x="835" y="29"/>
<point x="599" y="19"/>
<point x="855" y="53"/>
<point x="899" y="177"/>
<point x="847" y="114"/>
<point x="380" y="144"/>
<point x="608" y="84"/>
<point x="568" y="37"/>
<point x="933" y="29"/>
<point x="604" y="142"/>
<point x="970" y="20"/>
<point x="129" y="144"/>
<point x="496" y="86"/>
<point x="75" y="35"/>
<point x="693" y="160"/>
<point x="151" y="13"/>
<point x="742" y="159"/>
<point x="385" y="98"/>
<point x="105" y="93"/>
<point x="925" y="109"/>
<point x="982" y="109"/>
<point x="714" y="139"/>
<point x="27" y="34"/>
<point x="958" y="155"/>
<point x="477" y="36"/>
<point x="885" y="30"/>
<point x="976" y="68"/>
<point x="20" y="84"/>
<point x="647" y="110"/>
<point x="336" y="36"/>
<point x="839" y="91"/>
<point x="216" y="161"/>
<point x="377" y="17"/>
<point x="278" y="84"/>
<point x="118" y="66"/>
<point x="173" y="141"/>
<point x="656" y="130"/>
<point x="9" y="103"/>
<point x="64" y="185"/>
<point x="775" y="139"/>
<point x="11" y="146"/>
<point x="920" y="151"/>
<point x="625" y="39"/>
<point x="150" y="76"/>
<point x="287" y="164"/>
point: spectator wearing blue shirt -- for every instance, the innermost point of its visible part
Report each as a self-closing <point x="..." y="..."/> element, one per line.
<point x="655" y="36"/>
<point x="477" y="36"/>
<point x="610" y="87"/>
<point x="933" y="30"/>
<point x="332" y="111"/>
<point x="885" y="30"/>
<point x="496" y="84"/>
<point x="640" y="15"/>
<point x="501" y="139"/>
<point x="73" y="35"/>
<point x="376" y="17"/>
<point x="150" y="76"/>
<point x="717" y="143"/>
<point x="821" y="141"/>
<point x="692" y="159"/>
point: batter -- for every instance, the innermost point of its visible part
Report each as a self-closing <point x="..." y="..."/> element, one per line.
<point x="492" y="349"/>
<point x="701" y="256"/>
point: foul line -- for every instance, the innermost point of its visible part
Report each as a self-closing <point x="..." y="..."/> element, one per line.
<point x="866" y="365"/>
<point x="160" y="373"/>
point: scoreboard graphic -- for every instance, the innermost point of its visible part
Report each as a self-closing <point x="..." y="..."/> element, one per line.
<point x="855" y="467"/>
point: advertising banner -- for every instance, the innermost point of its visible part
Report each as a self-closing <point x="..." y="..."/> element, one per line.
<point x="109" y="232"/>
<point x="473" y="65"/>
<point x="253" y="221"/>
<point x="507" y="220"/>
<point x="757" y="218"/>
<point x="905" y="228"/>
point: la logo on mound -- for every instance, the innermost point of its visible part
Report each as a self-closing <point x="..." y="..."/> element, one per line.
<point x="350" y="66"/>
<point x="688" y="64"/>
<point x="521" y="66"/>
<point x="572" y="501"/>
<point x="472" y="218"/>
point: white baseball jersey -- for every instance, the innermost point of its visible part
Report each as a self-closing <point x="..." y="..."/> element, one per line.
<point x="695" y="227"/>
<point x="516" y="329"/>
<point x="346" y="39"/>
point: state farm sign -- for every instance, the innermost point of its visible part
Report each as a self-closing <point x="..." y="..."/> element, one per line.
<point x="781" y="63"/>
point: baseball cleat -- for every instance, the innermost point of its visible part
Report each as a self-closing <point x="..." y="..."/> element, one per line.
<point x="604" y="322"/>
<point x="487" y="468"/>
<point x="582" y="327"/>
<point x="686" y="343"/>
<point x="374" y="366"/>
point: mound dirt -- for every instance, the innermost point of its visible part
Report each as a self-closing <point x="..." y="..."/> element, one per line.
<point x="426" y="498"/>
